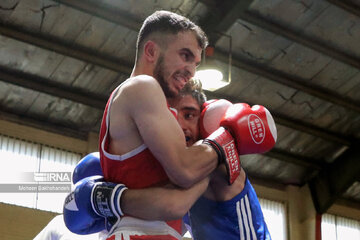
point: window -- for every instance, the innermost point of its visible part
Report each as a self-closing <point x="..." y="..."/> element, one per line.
<point x="275" y="218"/>
<point x="339" y="228"/>
<point x="20" y="161"/>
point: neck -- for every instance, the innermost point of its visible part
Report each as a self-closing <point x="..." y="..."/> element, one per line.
<point x="142" y="69"/>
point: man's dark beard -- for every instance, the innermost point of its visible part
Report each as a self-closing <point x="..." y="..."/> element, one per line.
<point x="159" y="76"/>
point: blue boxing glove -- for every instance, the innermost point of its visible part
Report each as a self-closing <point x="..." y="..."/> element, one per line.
<point x="93" y="206"/>
<point x="73" y="217"/>
<point x="79" y="217"/>
<point x="87" y="166"/>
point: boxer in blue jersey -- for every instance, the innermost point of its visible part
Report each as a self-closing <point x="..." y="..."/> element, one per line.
<point x="224" y="211"/>
<point x="237" y="218"/>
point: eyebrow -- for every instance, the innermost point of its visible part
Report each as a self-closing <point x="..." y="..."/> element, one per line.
<point x="191" y="109"/>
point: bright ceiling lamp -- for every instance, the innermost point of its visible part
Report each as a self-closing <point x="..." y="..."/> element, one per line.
<point x="210" y="77"/>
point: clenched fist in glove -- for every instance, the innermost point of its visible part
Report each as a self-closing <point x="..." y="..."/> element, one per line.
<point x="253" y="128"/>
<point x="236" y="130"/>
<point x="218" y="138"/>
<point x="94" y="205"/>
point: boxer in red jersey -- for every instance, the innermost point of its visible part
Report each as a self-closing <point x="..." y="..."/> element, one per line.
<point x="141" y="143"/>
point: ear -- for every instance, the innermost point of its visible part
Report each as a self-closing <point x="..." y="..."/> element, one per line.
<point x="151" y="51"/>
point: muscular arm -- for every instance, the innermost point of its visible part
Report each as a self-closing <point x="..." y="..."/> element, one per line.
<point x="161" y="203"/>
<point x="171" y="202"/>
<point x="162" y="134"/>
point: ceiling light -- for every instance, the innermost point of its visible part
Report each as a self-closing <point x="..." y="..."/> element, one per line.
<point x="211" y="79"/>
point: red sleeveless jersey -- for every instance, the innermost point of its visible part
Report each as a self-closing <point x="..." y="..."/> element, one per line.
<point x="136" y="169"/>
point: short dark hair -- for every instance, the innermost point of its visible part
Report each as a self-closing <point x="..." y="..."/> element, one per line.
<point x="168" y="23"/>
<point x="194" y="88"/>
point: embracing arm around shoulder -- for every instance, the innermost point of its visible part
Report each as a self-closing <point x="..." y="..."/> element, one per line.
<point x="162" y="134"/>
<point x="161" y="203"/>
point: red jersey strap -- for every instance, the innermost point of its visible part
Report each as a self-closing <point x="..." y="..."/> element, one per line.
<point x="173" y="111"/>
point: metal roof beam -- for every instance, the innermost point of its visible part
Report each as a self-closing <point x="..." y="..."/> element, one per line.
<point x="43" y="85"/>
<point x="347" y="6"/>
<point x="44" y="124"/>
<point x="300" y="37"/>
<point x="222" y="15"/>
<point x="290" y="81"/>
<point x="65" y="48"/>
<point x="333" y="181"/>
<point x="295" y="159"/>
<point x="97" y="8"/>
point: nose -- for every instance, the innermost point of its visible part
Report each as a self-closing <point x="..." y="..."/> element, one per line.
<point x="190" y="70"/>
<point x="182" y="123"/>
<point x="185" y="125"/>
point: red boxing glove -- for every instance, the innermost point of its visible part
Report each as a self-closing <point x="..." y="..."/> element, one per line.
<point x="224" y="145"/>
<point x="211" y="115"/>
<point x="220" y="139"/>
<point x="253" y="128"/>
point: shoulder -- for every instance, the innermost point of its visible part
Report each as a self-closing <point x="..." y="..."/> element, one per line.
<point x="142" y="87"/>
<point x="142" y="81"/>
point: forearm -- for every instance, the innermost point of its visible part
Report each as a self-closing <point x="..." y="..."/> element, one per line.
<point x="219" y="189"/>
<point x="197" y="163"/>
<point x="161" y="203"/>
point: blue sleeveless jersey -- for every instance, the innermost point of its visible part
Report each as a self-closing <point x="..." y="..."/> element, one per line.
<point x="239" y="218"/>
